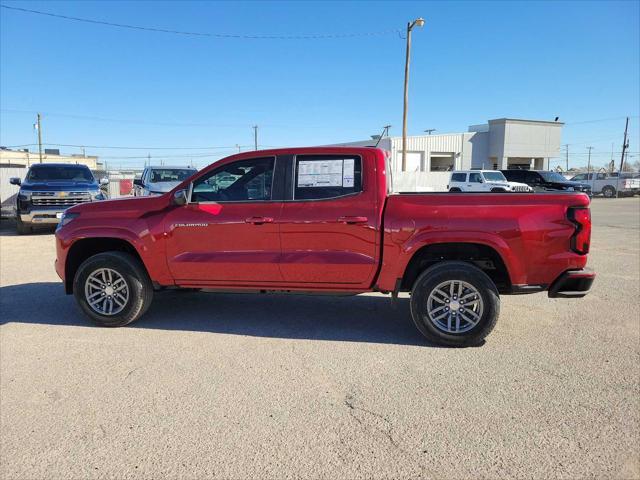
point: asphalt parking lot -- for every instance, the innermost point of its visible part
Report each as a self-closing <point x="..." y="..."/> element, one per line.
<point x="240" y="386"/>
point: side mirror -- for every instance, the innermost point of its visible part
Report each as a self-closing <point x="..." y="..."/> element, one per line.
<point x="15" y="181"/>
<point x="138" y="182"/>
<point x="104" y="181"/>
<point x="180" y="197"/>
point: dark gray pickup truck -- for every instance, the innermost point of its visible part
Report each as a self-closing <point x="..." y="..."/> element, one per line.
<point x="49" y="189"/>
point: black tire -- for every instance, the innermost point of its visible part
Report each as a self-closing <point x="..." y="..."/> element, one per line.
<point x="608" y="191"/>
<point x="23" y="228"/>
<point x="455" y="190"/>
<point x="498" y="190"/>
<point x="442" y="272"/>
<point x="134" y="274"/>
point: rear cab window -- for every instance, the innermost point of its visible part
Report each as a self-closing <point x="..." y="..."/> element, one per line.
<point x="318" y="177"/>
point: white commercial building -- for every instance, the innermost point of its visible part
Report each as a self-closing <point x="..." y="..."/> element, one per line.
<point x="25" y="158"/>
<point x="499" y="144"/>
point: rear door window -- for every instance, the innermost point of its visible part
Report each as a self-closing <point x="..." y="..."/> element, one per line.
<point x="326" y="176"/>
<point x="459" y="177"/>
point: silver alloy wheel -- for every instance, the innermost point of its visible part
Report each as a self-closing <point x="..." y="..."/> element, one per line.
<point x="106" y="291"/>
<point x="454" y="306"/>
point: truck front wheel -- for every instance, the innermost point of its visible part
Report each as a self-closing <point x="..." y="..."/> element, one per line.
<point x="22" y="228"/>
<point x="112" y="288"/>
<point x="454" y="304"/>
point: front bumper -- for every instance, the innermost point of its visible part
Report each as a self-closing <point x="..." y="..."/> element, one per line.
<point x="47" y="216"/>
<point x="572" y="284"/>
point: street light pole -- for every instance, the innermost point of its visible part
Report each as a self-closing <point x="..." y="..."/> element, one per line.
<point x="419" y="22"/>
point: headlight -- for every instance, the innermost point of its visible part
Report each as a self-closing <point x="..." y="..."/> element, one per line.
<point x="24" y="195"/>
<point x="66" y="218"/>
<point x="97" y="194"/>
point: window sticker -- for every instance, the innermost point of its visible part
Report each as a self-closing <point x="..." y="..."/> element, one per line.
<point x="323" y="173"/>
<point x="348" y="173"/>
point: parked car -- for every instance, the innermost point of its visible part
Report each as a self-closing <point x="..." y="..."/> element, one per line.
<point x="484" y="181"/>
<point x="158" y="180"/>
<point x="608" y="184"/>
<point x="49" y="189"/>
<point x="544" y="181"/>
<point x="322" y="220"/>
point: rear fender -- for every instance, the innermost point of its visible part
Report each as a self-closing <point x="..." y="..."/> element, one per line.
<point x="514" y="267"/>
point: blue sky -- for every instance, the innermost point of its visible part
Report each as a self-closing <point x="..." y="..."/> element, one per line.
<point x="472" y="61"/>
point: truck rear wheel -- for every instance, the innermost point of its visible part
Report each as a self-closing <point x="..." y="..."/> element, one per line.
<point x="454" y="304"/>
<point x="113" y="289"/>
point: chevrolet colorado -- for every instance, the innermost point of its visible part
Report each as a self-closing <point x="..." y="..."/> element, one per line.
<point x="324" y="220"/>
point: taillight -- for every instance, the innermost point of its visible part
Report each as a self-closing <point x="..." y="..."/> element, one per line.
<point x="581" y="239"/>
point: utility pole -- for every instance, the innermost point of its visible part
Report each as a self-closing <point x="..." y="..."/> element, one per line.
<point x="255" y="137"/>
<point x="410" y="25"/>
<point x="625" y="145"/>
<point x="567" y="157"/>
<point x="429" y="131"/>
<point x="39" y="138"/>
<point x="589" y="166"/>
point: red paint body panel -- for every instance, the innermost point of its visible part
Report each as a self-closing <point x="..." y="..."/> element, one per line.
<point x="531" y="232"/>
<point x="308" y="245"/>
<point x="215" y="243"/>
<point x="334" y="241"/>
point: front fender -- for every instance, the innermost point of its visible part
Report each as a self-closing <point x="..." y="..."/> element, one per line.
<point x="148" y="244"/>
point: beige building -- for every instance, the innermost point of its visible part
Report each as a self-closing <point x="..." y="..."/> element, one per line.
<point x="26" y="158"/>
<point x="498" y="144"/>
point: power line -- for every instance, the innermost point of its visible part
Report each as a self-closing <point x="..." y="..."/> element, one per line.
<point x="119" y="147"/>
<point x="165" y="124"/>
<point x="610" y="119"/>
<point x="310" y="36"/>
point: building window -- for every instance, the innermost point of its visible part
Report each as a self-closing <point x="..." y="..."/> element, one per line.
<point x="442" y="161"/>
<point x="414" y="161"/>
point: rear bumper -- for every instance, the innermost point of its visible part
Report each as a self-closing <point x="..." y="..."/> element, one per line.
<point x="572" y="284"/>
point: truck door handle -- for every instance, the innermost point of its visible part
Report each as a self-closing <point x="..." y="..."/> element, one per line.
<point x="259" y="220"/>
<point x="352" y="220"/>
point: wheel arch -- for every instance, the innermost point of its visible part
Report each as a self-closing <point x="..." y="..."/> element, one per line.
<point x="483" y="256"/>
<point x="85" y="248"/>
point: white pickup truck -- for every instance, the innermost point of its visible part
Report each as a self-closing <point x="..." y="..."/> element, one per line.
<point x="609" y="184"/>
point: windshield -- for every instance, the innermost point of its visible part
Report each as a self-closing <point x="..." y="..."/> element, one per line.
<point x="494" y="176"/>
<point x="170" y="174"/>
<point x="72" y="173"/>
<point x="552" y="177"/>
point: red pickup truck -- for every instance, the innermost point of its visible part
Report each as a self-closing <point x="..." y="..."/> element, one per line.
<point x="323" y="220"/>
